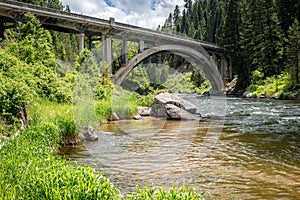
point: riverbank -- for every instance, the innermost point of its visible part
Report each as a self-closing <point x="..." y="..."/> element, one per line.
<point x="30" y="167"/>
<point x="274" y="87"/>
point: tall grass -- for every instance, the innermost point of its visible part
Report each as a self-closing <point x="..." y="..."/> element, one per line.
<point x="30" y="169"/>
<point x="123" y="103"/>
<point x="159" y="193"/>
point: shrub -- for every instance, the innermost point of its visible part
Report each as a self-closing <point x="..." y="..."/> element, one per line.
<point x="270" y="86"/>
<point x="103" y="109"/>
<point x="68" y="131"/>
<point x="14" y="95"/>
<point x="27" y="71"/>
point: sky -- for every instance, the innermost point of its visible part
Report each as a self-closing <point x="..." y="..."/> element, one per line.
<point x="143" y="13"/>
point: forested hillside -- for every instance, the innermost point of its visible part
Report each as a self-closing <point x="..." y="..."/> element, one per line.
<point x="263" y="37"/>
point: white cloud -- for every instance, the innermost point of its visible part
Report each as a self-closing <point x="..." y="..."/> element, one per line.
<point x="144" y="13"/>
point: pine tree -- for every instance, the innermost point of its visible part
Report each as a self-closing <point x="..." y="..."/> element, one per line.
<point x="65" y="45"/>
<point x="293" y="52"/>
<point x="288" y="11"/>
<point x="200" y="23"/>
<point x="188" y="5"/>
<point x="269" y="48"/>
<point x="232" y="37"/>
<point x="248" y="32"/>
<point x="176" y="18"/>
<point x="232" y="26"/>
<point x="185" y="24"/>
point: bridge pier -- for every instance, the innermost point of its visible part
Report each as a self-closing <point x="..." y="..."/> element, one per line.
<point x="223" y="68"/>
<point x="80" y="42"/>
<point x="224" y="65"/>
<point x="214" y="58"/>
<point x="124" y="52"/>
<point x="107" y="49"/>
<point x="141" y="46"/>
<point x="230" y="68"/>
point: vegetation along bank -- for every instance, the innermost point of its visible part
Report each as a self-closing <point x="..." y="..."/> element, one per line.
<point x="35" y="102"/>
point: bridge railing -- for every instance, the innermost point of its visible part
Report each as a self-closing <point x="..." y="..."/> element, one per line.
<point x="171" y="35"/>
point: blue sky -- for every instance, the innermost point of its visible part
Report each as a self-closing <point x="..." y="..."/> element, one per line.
<point x="109" y="3"/>
<point x="144" y="13"/>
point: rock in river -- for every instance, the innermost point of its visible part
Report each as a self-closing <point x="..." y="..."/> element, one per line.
<point x="89" y="133"/>
<point x="171" y="106"/>
<point x="144" y="111"/>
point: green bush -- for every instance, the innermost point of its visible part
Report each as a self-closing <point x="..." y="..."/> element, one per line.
<point x="14" y="95"/>
<point x="274" y="85"/>
<point x="27" y="71"/>
<point x="103" y="109"/>
<point x="124" y="103"/>
<point x="68" y="131"/>
<point x="32" y="43"/>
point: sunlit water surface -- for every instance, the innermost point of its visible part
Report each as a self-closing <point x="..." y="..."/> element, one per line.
<point x="253" y="154"/>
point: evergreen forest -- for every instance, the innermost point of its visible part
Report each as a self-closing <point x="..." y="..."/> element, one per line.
<point x="262" y="37"/>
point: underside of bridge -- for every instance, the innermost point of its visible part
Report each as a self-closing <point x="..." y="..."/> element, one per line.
<point x="202" y="61"/>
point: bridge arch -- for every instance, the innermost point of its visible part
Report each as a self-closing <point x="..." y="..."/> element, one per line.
<point x="200" y="58"/>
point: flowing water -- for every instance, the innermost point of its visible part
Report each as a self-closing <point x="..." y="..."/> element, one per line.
<point x="250" y="152"/>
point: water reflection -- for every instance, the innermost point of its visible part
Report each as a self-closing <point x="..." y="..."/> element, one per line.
<point x="257" y="155"/>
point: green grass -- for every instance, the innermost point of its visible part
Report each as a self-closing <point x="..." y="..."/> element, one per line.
<point x="30" y="169"/>
<point x="123" y="103"/>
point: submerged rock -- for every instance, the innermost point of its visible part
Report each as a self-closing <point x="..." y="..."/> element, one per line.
<point x="89" y="133"/>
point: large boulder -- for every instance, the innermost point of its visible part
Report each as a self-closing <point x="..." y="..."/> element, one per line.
<point x="171" y="106"/>
<point x="89" y="133"/>
<point x="176" y="113"/>
<point x="168" y="98"/>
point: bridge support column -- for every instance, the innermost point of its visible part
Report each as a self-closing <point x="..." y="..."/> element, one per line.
<point x="90" y="42"/>
<point x="107" y="49"/>
<point x="223" y="69"/>
<point x="124" y="53"/>
<point x="230" y="68"/>
<point x="214" y="58"/>
<point x="141" y="46"/>
<point x="80" y="42"/>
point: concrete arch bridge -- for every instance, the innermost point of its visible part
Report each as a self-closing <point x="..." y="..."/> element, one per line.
<point x="211" y="58"/>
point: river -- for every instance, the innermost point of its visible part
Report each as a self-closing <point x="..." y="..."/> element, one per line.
<point x="251" y="151"/>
